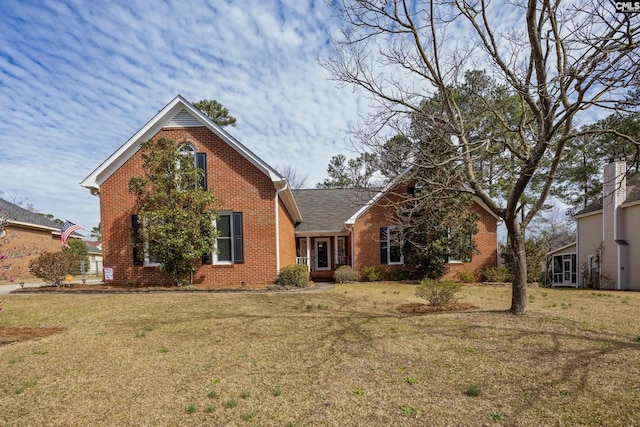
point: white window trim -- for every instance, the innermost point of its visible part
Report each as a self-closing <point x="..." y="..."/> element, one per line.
<point x="187" y="150"/>
<point x="147" y="261"/>
<point x="389" y="262"/>
<point x="215" y="260"/>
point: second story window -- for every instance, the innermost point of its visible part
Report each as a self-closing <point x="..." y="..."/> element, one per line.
<point x="188" y="153"/>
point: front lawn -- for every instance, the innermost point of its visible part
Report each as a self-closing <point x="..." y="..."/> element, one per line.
<point x="347" y="357"/>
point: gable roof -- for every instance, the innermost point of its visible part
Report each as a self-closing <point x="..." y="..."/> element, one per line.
<point x="93" y="247"/>
<point x="327" y="210"/>
<point x="181" y="113"/>
<point x="633" y="195"/>
<point x="396" y="181"/>
<point x="593" y="207"/>
<point x="20" y="216"/>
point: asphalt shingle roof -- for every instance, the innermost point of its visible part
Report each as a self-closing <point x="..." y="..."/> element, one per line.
<point x="633" y="194"/>
<point x="328" y="209"/>
<point x="14" y="212"/>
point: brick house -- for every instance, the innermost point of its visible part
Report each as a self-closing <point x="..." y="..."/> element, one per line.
<point x="352" y="227"/>
<point x="24" y="236"/>
<point x="264" y="224"/>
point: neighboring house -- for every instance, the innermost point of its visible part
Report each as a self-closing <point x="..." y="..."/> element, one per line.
<point x="264" y="224"/>
<point x="607" y="250"/>
<point x="25" y="236"/>
<point x="94" y="253"/>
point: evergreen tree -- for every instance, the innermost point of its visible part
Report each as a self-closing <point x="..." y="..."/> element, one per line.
<point x="175" y="215"/>
<point x="352" y="173"/>
<point x="216" y="112"/>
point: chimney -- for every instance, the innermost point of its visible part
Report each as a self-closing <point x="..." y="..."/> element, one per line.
<point x="615" y="254"/>
<point x="614" y="194"/>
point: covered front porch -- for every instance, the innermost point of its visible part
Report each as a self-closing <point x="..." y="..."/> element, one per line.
<point x="322" y="254"/>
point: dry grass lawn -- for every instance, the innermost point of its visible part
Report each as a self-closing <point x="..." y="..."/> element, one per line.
<point x="343" y="358"/>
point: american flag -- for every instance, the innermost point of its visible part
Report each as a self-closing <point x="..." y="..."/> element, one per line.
<point x="67" y="230"/>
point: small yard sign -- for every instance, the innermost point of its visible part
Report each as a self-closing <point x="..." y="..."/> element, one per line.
<point x="108" y="274"/>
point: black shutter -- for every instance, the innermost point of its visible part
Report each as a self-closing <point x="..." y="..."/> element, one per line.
<point x="238" y="244"/>
<point x="201" y="163"/>
<point x="138" y="255"/>
<point x="384" y="245"/>
<point x="206" y="258"/>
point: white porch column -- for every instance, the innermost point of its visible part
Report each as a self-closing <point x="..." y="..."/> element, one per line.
<point x="335" y="250"/>
<point x="308" y="253"/>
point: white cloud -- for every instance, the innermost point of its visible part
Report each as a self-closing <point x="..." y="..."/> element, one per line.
<point x="77" y="79"/>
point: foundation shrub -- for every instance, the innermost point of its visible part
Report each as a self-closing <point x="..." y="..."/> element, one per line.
<point x="496" y="274"/>
<point x="294" y="276"/>
<point x="372" y="274"/>
<point x="346" y="274"/>
<point x="466" y="276"/>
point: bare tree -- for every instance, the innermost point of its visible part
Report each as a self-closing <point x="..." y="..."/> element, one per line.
<point x="294" y="178"/>
<point x="20" y="200"/>
<point x="556" y="61"/>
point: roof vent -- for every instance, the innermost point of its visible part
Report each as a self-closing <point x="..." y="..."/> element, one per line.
<point x="183" y="120"/>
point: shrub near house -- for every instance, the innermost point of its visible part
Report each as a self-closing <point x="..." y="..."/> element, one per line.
<point x="24" y="235"/>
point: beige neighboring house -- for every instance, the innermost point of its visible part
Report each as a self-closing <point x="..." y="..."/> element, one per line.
<point x="94" y="253"/>
<point x="606" y="254"/>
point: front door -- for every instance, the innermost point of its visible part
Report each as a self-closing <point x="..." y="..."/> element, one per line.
<point x="323" y="255"/>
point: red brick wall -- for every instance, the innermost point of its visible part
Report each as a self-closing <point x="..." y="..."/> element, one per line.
<point x="239" y="186"/>
<point x="487" y="245"/>
<point x="287" y="237"/>
<point x="367" y="232"/>
<point x="367" y="238"/>
<point x="19" y="246"/>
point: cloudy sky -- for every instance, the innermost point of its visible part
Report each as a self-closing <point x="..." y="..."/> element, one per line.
<point x="78" y="78"/>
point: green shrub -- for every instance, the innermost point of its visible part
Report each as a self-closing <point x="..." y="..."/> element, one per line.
<point x="372" y="274"/>
<point x="346" y="274"/>
<point x="473" y="390"/>
<point x="294" y="276"/>
<point x="52" y="267"/>
<point x="79" y="248"/>
<point x="438" y="293"/>
<point x="399" y="274"/>
<point x="466" y="276"/>
<point x="496" y="274"/>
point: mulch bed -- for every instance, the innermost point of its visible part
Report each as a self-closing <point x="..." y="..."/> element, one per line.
<point x="112" y="289"/>
<point x="10" y="334"/>
<point x="421" y="308"/>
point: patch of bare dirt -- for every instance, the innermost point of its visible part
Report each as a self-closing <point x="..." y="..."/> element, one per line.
<point x="9" y="334"/>
<point x="421" y="308"/>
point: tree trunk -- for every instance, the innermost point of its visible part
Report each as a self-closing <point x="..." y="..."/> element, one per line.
<point x="519" y="284"/>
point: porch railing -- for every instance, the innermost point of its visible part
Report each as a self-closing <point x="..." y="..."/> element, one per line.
<point x="302" y="260"/>
<point x="342" y="260"/>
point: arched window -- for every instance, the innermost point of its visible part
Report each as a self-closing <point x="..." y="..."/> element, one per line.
<point x="188" y="151"/>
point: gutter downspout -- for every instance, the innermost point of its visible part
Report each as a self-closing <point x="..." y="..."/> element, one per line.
<point x="277" y="199"/>
<point x="352" y="235"/>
